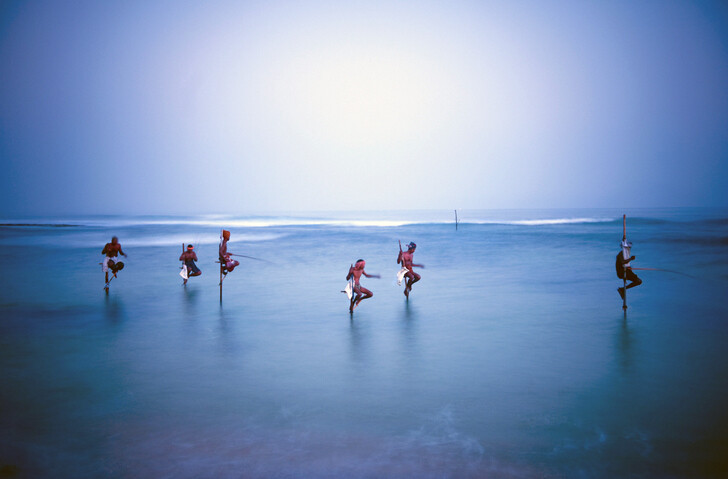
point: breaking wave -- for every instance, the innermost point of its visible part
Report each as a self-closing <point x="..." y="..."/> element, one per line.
<point x="542" y="222"/>
<point x="393" y="221"/>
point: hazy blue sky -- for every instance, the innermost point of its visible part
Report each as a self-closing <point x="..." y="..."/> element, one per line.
<point x="239" y="107"/>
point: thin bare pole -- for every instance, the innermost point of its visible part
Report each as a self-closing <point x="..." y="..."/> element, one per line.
<point x="624" y="278"/>
<point x="222" y="266"/>
<point x="456" y="220"/>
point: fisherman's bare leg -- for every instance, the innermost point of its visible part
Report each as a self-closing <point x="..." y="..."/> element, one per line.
<point x="635" y="280"/>
<point x="367" y="294"/>
<point x="412" y="278"/>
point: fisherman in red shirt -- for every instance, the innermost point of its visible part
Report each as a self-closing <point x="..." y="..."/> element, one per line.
<point x="226" y="260"/>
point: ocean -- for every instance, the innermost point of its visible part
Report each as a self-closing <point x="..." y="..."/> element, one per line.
<point x="512" y="358"/>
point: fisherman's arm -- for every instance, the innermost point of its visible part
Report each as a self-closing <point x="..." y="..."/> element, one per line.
<point x="351" y="270"/>
<point x="182" y="257"/>
<point x="370" y="275"/>
<point x="418" y="265"/>
<point x="121" y="252"/>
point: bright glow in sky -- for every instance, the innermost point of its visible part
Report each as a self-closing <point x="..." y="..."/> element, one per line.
<point x="243" y="107"/>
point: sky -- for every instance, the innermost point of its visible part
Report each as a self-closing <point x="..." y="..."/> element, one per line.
<point x="191" y="107"/>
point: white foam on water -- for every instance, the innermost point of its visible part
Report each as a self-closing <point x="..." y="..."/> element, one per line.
<point x="87" y="239"/>
<point x="542" y="222"/>
<point x="229" y="223"/>
<point x="177" y="239"/>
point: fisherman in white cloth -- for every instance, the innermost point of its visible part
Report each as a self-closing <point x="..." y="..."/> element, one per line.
<point x="356" y="292"/>
<point x="112" y="251"/>
<point x="624" y="268"/>
<point x="406" y="259"/>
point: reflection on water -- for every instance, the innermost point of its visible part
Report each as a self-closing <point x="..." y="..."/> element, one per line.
<point x="225" y="335"/>
<point x="113" y="309"/>
<point x="357" y="341"/>
<point x="624" y="348"/>
<point x="190" y="299"/>
<point x="408" y="327"/>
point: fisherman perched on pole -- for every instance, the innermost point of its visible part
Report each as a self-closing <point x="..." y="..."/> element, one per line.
<point x="406" y="258"/>
<point x="624" y="269"/>
<point x="111" y="250"/>
<point x="359" y="293"/>
<point x="190" y="268"/>
<point x="226" y="262"/>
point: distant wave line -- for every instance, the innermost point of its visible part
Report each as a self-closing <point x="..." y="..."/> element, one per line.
<point x="542" y="222"/>
<point x="283" y="222"/>
<point x="255" y="223"/>
<point x="175" y="240"/>
<point x="40" y="225"/>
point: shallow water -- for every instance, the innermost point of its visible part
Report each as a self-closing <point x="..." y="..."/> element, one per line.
<point x="511" y="359"/>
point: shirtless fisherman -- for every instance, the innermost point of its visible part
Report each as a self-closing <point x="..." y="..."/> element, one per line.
<point x="189" y="257"/>
<point x="112" y="250"/>
<point x="406" y="259"/>
<point x="355" y="272"/>
<point x="228" y="264"/>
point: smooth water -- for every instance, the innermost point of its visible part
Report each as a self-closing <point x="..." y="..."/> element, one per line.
<point x="511" y="359"/>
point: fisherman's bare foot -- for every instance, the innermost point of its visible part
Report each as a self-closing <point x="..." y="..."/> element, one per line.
<point x="406" y="292"/>
<point x="621" y="293"/>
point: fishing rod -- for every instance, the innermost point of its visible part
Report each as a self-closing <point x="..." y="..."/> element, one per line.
<point x="250" y="257"/>
<point x="664" y="270"/>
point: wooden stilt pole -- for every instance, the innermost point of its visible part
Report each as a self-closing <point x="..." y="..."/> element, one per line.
<point x="456" y="220"/>
<point x="221" y="260"/>
<point x="624" y="238"/>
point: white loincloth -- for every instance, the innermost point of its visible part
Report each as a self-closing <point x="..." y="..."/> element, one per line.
<point x="400" y="275"/>
<point x="626" y="252"/>
<point x="105" y="264"/>
<point x="183" y="272"/>
<point x="349" y="290"/>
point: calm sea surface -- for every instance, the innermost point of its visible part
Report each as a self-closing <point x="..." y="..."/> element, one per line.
<point x="512" y="357"/>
